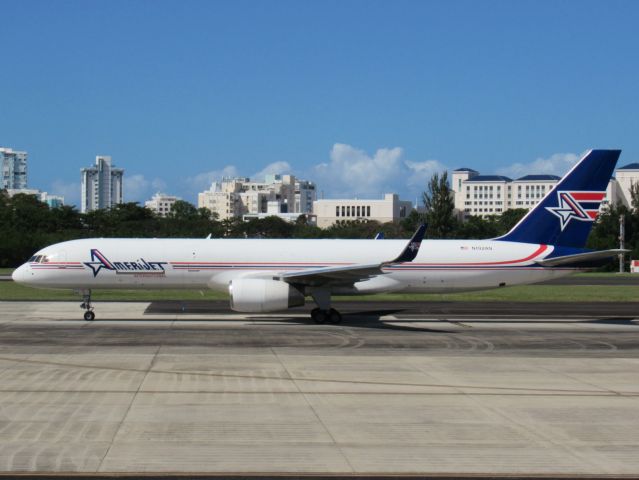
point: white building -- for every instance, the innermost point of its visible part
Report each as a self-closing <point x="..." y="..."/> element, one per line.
<point x="240" y="197"/>
<point x="14" y="169"/>
<point x="54" y="201"/>
<point x="161" y="203"/>
<point x="101" y="185"/>
<point x="388" y="209"/>
<point x="529" y="190"/>
<point x="485" y="195"/>
<point x="273" y="209"/>
<point x="625" y="177"/>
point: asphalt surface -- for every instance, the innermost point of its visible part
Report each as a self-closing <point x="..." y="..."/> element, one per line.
<point x="442" y="328"/>
<point x="357" y="310"/>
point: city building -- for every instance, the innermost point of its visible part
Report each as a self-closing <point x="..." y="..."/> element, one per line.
<point x="273" y="209"/>
<point x="14" y="169"/>
<point x="54" y="201"/>
<point x="101" y="185"/>
<point x="388" y="209"/>
<point x="240" y="197"/>
<point x="625" y="177"/>
<point x="485" y="195"/>
<point x="161" y="203"/>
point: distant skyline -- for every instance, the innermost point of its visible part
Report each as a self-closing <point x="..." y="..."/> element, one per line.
<point x="362" y="97"/>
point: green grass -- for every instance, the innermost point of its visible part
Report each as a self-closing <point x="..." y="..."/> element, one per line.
<point x="527" y="293"/>
<point x="6" y="271"/>
<point x="14" y="291"/>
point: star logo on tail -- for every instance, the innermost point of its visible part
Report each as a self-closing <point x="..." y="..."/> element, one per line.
<point x="581" y="206"/>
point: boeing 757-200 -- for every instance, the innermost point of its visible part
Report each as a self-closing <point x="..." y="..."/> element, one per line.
<point x="266" y="275"/>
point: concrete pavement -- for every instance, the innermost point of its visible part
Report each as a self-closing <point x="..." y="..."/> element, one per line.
<point x="138" y="391"/>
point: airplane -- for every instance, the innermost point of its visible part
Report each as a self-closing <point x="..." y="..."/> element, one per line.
<point x="267" y="275"/>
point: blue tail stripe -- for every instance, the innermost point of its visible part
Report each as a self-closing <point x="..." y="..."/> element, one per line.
<point x="558" y="218"/>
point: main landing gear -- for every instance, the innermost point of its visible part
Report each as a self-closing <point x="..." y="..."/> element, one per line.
<point x="86" y="305"/>
<point x="324" y="313"/>
<point x="331" y="315"/>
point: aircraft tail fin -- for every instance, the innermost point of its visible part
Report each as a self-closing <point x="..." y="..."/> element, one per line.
<point x="564" y="217"/>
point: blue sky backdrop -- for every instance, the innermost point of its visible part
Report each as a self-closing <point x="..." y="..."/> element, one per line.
<point x="363" y="97"/>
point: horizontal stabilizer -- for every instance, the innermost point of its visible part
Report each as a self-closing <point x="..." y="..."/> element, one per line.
<point x="581" y="257"/>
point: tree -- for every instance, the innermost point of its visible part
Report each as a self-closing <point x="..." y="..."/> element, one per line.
<point x="413" y="220"/>
<point x="476" y="227"/>
<point x="634" y="196"/>
<point x="439" y="204"/>
<point x="509" y="218"/>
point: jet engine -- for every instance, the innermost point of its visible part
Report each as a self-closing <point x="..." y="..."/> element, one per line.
<point x="263" y="295"/>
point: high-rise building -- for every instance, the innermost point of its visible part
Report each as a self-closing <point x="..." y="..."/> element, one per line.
<point x="101" y="185"/>
<point x="14" y="169"/>
<point x="280" y="195"/>
<point x="161" y="203"/>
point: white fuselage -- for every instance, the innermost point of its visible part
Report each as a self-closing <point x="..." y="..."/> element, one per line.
<point x="441" y="265"/>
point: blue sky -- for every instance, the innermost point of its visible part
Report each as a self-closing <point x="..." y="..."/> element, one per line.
<point x="361" y="96"/>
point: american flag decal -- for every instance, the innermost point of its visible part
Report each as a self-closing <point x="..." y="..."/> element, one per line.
<point x="579" y="205"/>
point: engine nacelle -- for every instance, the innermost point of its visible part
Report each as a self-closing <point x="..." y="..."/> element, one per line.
<point x="258" y="295"/>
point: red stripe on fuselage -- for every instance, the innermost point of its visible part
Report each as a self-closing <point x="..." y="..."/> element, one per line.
<point x="539" y="251"/>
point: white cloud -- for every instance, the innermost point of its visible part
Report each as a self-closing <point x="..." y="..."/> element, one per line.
<point x="202" y="181"/>
<point x="158" y="185"/>
<point x="349" y="172"/>
<point x="70" y="191"/>
<point x="352" y="171"/>
<point x="137" y="188"/>
<point x="556" y="164"/>
<point x="275" y="168"/>
<point x="422" y="171"/>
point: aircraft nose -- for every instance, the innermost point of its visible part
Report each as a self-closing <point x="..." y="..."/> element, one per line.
<point x="22" y="274"/>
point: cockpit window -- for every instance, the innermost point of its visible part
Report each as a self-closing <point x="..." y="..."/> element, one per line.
<point x="39" y="259"/>
<point x="32" y="259"/>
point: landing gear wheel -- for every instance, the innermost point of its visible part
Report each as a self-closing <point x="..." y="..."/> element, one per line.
<point x="86" y="305"/>
<point x="319" y="316"/>
<point x="334" y="316"/>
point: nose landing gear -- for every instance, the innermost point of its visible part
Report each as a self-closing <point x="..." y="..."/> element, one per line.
<point x="89" y="315"/>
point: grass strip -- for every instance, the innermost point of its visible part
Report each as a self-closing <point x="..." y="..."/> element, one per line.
<point x="526" y="293"/>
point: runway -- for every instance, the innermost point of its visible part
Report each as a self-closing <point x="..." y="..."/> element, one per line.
<point x="396" y="389"/>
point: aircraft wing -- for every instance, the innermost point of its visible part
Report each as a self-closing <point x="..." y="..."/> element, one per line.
<point x="580" y="257"/>
<point x="349" y="274"/>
